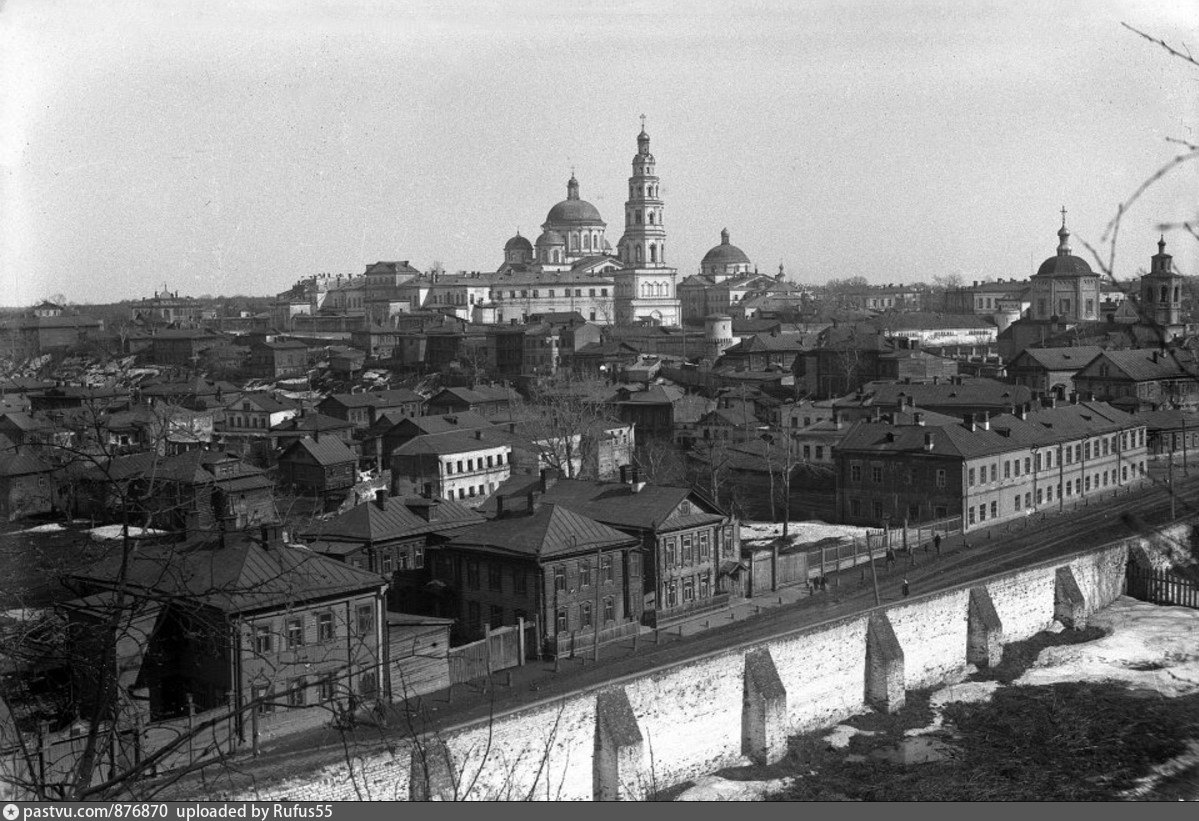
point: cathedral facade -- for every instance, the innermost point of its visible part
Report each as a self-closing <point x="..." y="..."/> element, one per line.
<point x="572" y="267"/>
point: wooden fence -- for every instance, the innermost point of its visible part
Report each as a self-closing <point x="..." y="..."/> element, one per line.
<point x="500" y="649"/>
<point x="1161" y="586"/>
<point x="798" y="566"/>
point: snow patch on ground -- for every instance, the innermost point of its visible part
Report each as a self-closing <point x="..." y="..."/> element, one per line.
<point x="839" y="737"/>
<point x="798" y="532"/>
<point x="715" y="788"/>
<point x="53" y="527"/>
<point x="106" y="533"/>
<point x="1150" y="647"/>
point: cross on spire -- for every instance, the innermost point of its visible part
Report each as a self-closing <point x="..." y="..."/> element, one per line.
<point x="642" y="122"/>
<point x="1063" y="216"/>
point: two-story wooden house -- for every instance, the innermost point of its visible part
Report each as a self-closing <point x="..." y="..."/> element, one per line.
<point x="318" y="466"/>
<point x="688" y="545"/>
<point x="392" y="536"/>
<point x="237" y="616"/>
<point x="570" y="575"/>
<point x="485" y="400"/>
<point x="363" y="409"/>
<point x="986" y="469"/>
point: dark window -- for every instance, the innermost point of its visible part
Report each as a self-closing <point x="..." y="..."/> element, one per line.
<point x="584" y="573"/>
<point x="560" y="578"/>
<point x="296" y="692"/>
<point x="262" y="696"/>
<point x="263" y="642"/>
<point x="324" y="627"/>
<point x="609" y="609"/>
<point x="560" y="620"/>
<point x="606" y="569"/>
<point x="295" y="633"/>
<point x="585" y="614"/>
<point x="366" y="619"/>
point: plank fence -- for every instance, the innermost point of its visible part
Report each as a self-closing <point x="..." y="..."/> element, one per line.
<point x="1161" y="586"/>
<point x="500" y="649"/>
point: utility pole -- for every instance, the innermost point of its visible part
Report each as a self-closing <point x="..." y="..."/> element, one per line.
<point x="873" y="571"/>
<point x="595" y="618"/>
<point x="1173" y="513"/>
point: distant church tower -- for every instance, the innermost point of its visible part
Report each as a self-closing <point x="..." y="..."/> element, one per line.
<point x="645" y="289"/>
<point x="1161" y="291"/>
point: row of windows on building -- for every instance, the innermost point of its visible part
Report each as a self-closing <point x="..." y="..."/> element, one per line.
<point x="550" y="293"/>
<point x="268" y="640"/>
<point x="471" y="491"/>
<point x="684" y="591"/>
<point x="687" y="549"/>
<point x="876" y="474"/>
<point x="296" y="693"/>
<point x="1043" y="460"/>
<point x="473" y="464"/>
<point x="1076" y="487"/>
<point x="391" y="560"/>
<point x="879" y="509"/>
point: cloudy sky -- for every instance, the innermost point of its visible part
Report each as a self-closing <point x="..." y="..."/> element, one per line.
<point x="232" y="147"/>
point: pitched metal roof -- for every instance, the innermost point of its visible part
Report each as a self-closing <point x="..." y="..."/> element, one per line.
<point x="552" y="530"/>
<point x="1147" y="364"/>
<point x="395" y="519"/>
<point x="242" y="573"/>
<point x="330" y="450"/>
<point x="1057" y="359"/>
<point x="388" y="398"/>
<point x="1007" y="432"/>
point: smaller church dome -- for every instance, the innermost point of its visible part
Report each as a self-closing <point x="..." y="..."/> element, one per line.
<point x="518" y="243"/>
<point x="550" y="238"/>
<point x="725" y="253"/>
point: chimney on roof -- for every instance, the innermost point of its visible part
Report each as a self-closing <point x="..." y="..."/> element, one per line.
<point x="836" y="420"/>
<point x="968" y="421"/>
<point x="624" y="474"/>
<point x="986" y="421"/>
<point x="928" y="440"/>
<point x="549" y="477"/>
<point x="381" y="499"/>
<point x="427" y="490"/>
<point x="877" y="415"/>
<point x="889" y="437"/>
<point x="1090" y="397"/>
<point x="479" y="433"/>
<point x="918" y="418"/>
<point x="936" y="380"/>
<point x="1022" y="412"/>
<point x="499" y="506"/>
<point x="531" y="500"/>
<point x="1153" y="356"/>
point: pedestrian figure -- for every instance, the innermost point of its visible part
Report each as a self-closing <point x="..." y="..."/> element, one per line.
<point x="823" y="583"/>
<point x="890" y="554"/>
<point x="905" y="587"/>
<point x="937" y="543"/>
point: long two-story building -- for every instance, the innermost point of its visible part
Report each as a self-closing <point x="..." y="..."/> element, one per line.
<point x="987" y="470"/>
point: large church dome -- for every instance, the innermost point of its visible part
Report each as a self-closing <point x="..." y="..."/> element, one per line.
<point x="724" y="254"/>
<point x="1063" y="263"/>
<point x="572" y="210"/>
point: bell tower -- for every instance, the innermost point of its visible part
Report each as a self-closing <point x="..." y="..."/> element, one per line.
<point x="1161" y="290"/>
<point x="645" y="286"/>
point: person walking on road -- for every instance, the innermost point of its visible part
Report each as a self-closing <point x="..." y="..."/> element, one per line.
<point x="890" y="555"/>
<point x="937" y="543"/>
<point x="905" y="587"/>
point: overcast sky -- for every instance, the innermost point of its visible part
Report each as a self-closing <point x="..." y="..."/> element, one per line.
<point x="232" y="147"/>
